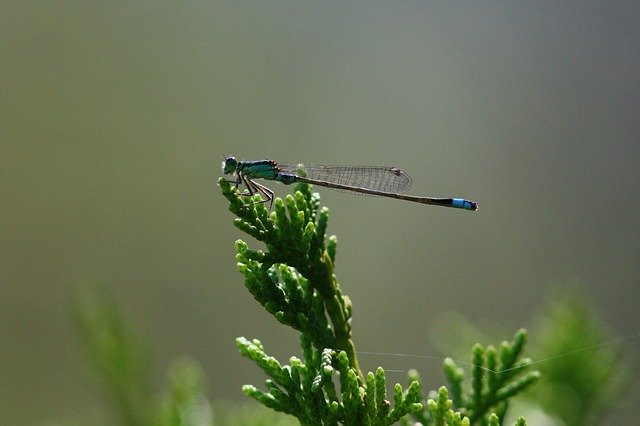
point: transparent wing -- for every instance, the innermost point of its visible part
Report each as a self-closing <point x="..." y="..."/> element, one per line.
<point x="377" y="178"/>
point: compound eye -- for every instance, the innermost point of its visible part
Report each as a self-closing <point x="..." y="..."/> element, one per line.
<point x="229" y="165"/>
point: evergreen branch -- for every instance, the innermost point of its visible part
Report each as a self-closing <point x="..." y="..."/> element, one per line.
<point x="294" y="243"/>
<point x="496" y="377"/>
<point x="294" y="280"/>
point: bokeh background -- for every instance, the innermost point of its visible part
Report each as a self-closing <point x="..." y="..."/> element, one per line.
<point x="114" y="119"/>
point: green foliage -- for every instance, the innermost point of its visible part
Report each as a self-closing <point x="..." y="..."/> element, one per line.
<point x="294" y="280"/>
<point x="185" y="402"/>
<point x="496" y="377"/>
<point x="583" y="385"/>
<point x="115" y="351"/>
<point x="124" y="364"/>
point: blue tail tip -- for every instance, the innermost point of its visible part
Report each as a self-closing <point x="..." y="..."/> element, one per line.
<point x="461" y="203"/>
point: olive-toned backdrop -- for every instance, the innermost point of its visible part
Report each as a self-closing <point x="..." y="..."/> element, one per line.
<point x="114" y="119"/>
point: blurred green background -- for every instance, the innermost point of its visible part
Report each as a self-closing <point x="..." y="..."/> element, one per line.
<point x="113" y="122"/>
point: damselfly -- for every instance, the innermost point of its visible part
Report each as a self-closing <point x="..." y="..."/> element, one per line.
<point x="382" y="181"/>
